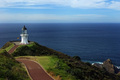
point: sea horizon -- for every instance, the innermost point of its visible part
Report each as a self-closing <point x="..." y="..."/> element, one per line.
<point x="91" y="41"/>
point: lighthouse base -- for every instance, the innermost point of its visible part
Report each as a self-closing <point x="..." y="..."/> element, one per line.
<point x="24" y="39"/>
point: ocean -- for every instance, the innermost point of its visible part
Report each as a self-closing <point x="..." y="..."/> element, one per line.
<point x="93" y="42"/>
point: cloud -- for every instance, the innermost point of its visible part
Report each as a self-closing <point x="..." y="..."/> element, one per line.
<point x="50" y="18"/>
<point x="114" y="5"/>
<point x="108" y="4"/>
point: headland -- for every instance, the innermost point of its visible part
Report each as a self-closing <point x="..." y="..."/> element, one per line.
<point x="60" y="65"/>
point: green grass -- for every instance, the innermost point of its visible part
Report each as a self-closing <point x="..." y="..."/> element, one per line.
<point x="10" y="69"/>
<point x="31" y="44"/>
<point x="55" y="65"/>
<point x="68" y="68"/>
<point x="46" y="61"/>
<point x="2" y="51"/>
<point x="8" y="48"/>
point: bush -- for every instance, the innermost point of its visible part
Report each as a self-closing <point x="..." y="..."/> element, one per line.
<point x="77" y="58"/>
<point x="79" y="69"/>
<point x="10" y="69"/>
<point x="7" y="45"/>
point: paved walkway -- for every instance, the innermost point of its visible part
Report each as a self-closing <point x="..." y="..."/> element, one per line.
<point x="35" y="70"/>
<point x="12" y="49"/>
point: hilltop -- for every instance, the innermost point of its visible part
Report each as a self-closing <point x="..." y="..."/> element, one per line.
<point x="72" y="66"/>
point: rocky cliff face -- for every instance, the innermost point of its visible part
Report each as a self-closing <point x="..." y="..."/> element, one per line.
<point x="108" y="66"/>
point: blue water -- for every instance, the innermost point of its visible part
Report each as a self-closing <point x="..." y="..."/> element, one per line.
<point x="92" y="41"/>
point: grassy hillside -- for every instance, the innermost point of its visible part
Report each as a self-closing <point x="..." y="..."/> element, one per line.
<point x="56" y="67"/>
<point x="10" y="69"/>
<point x="72" y="66"/>
<point x="8" y="46"/>
<point x="53" y="65"/>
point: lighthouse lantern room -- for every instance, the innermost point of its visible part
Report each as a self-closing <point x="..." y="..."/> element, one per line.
<point x="24" y="36"/>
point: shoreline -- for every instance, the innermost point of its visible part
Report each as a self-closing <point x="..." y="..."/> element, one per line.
<point x="98" y="62"/>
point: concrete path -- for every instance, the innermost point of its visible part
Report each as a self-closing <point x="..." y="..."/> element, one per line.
<point x="35" y="70"/>
<point x="12" y="49"/>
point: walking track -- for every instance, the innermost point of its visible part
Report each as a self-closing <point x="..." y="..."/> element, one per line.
<point x="12" y="49"/>
<point x="35" y="71"/>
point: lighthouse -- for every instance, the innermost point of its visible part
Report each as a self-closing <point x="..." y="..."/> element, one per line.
<point x="24" y="36"/>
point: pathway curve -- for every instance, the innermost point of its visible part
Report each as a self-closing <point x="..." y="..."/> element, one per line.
<point x="35" y="70"/>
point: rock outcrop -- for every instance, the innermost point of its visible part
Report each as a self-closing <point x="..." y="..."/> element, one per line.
<point x="98" y="65"/>
<point x="108" y="66"/>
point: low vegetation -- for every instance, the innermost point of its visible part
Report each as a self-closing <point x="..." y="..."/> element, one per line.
<point x="10" y="69"/>
<point x="70" y="68"/>
<point x="71" y="65"/>
<point x="8" y="46"/>
<point x="56" y="67"/>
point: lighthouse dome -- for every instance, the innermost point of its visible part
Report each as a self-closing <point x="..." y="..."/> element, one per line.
<point x="24" y="28"/>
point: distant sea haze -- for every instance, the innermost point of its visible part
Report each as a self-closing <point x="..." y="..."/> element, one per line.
<point x="91" y="41"/>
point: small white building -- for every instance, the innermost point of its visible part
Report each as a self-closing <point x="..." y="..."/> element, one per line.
<point x="24" y="36"/>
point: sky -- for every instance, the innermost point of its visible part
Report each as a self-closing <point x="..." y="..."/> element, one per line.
<point x="59" y="11"/>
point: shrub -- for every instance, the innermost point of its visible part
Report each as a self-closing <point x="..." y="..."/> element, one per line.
<point x="10" y="69"/>
<point x="81" y="70"/>
<point x="77" y="58"/>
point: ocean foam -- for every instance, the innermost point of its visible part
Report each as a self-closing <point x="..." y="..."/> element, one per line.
<point x="118" y="67"/>
<point x="93" y="62"/>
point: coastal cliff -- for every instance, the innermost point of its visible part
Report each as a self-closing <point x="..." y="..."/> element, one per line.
<point x="108" y="66"/>
<point x="70" y="65"/>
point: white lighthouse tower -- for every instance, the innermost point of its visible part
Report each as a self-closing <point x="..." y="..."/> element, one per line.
<point x="24" y="36"/>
